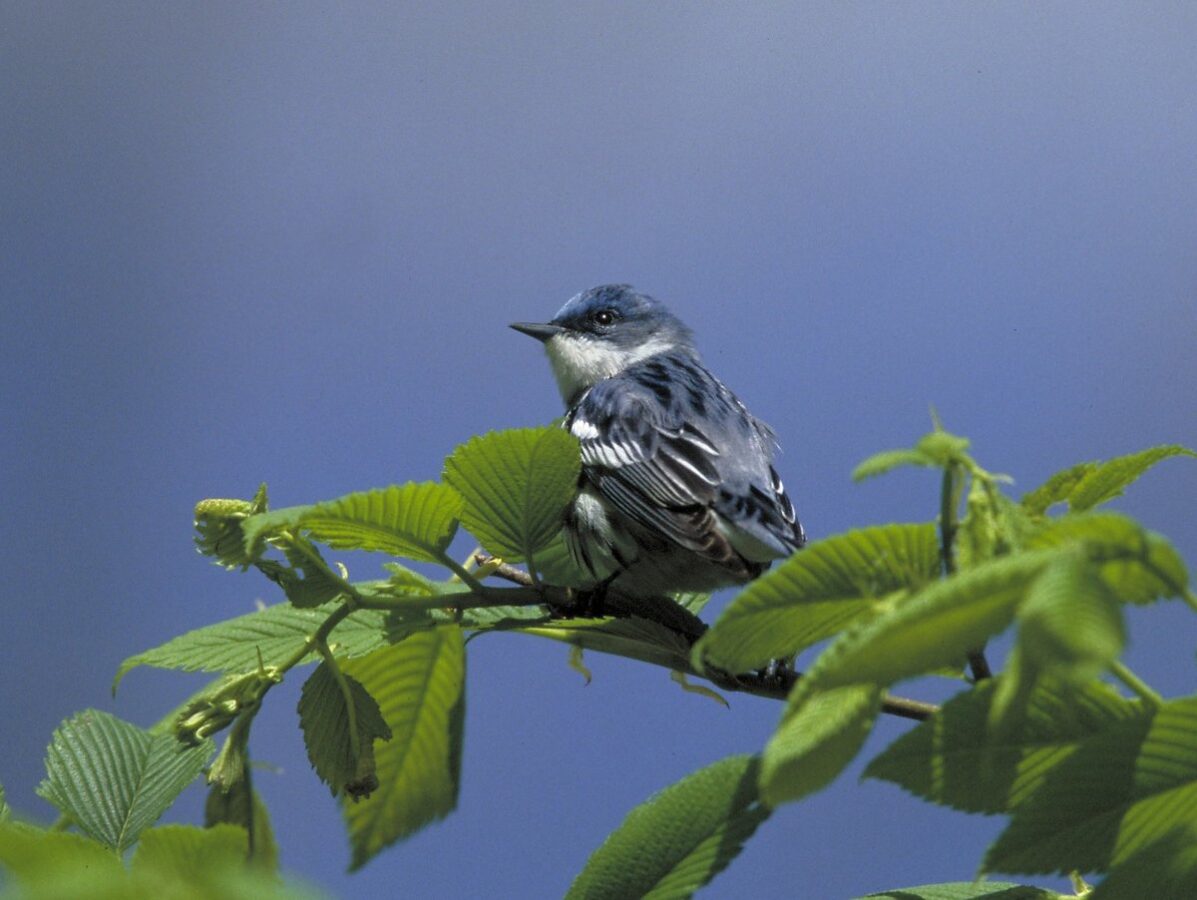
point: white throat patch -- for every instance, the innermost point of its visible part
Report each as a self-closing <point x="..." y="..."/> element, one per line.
<point x="579" y="361"/>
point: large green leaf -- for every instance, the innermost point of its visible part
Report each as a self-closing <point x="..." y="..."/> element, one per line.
<point x="418" y="685"/>
<point x="1110" y="478"/>
<point x="953" y="759"/>
<point x="276" y="632"/>
<point x="967" y="890"/>
<point x="1164" y="868"/>
<point x="934" y="628"/>
<point x="516" y="485"/>
<point x="816" y="740"/>
<point x="413" y="520"/>
<point x="679" y="839"/>
<point x="324" y="717"/>
<point x="113" y="779"/>
<point x="632" y="637"/>
<point x="816" y="593"/>
<point x="184" y="854"/>
<point x="1071" y="622"/>
<point x="1121" y="791"/>
<point x="1139" y="565"/>
<point x="27" y="852"/>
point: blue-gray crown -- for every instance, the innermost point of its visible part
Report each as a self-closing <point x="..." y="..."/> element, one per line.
<point x="615" y="314"/>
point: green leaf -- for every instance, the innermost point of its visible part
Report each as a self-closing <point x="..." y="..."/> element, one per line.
<point x="934" y="627"/>
<point x="218" y="526"/>
<point x="1140" y="566"/>
<point x="993" y="525"/>
<point x="1110" y="478"/>
<point x="1056" y="489"/>
<point x="967" y="890"/>
<point x="555" y="566"/>
<point x="30" y="854"/>
<point x="184" y="854"/>
<point x="418" y="685"/>
<point x="276" y="632"/>
<point x="242" y="806"/>
<point x="1121" y="791"/>
<point x="887" y="460"/>
<point x="818" y="736"/>
<point x="414" y="520"/>
<point x="816" y="593"/>
<point x="113" y="779"/>
<point x="516" y="485"/>
<point x="1165" y="868"/>
<point x="1071" y="623"/>
<point x="953" y="759"/>
<point x="326" y="724"/>
<point x="679" y="839"/>
<point x="631" y="637"/>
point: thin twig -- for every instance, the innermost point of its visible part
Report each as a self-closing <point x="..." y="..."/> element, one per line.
<point x="776" y="687"/>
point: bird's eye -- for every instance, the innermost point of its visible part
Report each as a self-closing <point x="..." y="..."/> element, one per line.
<point x="604" y="317"/>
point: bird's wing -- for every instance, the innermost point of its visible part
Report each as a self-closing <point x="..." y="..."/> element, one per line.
<point x="653" y="468"/>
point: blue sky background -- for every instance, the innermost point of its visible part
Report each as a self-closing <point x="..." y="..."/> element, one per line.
<point x="282" y="242"/>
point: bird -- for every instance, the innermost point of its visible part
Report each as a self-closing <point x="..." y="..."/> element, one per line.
<point x="677" y="490"/>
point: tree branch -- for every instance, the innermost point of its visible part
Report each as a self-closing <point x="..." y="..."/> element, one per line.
<point x="774" y="687"/>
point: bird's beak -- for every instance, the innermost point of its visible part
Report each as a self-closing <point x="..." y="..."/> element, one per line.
<point x="541" y="332"/>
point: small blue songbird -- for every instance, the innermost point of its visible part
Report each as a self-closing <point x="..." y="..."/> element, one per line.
<point x="678" y="490"/>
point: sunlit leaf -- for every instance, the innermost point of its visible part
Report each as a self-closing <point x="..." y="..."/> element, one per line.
<point x="516" y="485"/>
<point x="113" y="779"/>
<point x="967" y="890"/>
<point x="1164" y="868"/>
<point x="276" y="632"/>
<point x="31" y="854"/>
<point x="1122" y="790"/>
<point x="1110" y="478"/>
<point x="816" y="593"/>
<point x="818" y="736"/>
<point x="954" y="760"/>
<point x="418" y="685"/>
<point x="325" y="721"/>
<point x="413" y="520"/>
<point x="1070" y="622"/>
<point x="679" y="839"/>
<point x="186" y="854"/>
<point x="1139" y="565"/>
<point x="1056" y="489"/>
<point x="933" y="628"/>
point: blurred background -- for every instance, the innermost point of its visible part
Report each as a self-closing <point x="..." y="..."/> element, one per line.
<point x="282" y="242"/>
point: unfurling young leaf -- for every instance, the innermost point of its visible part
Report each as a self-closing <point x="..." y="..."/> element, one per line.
<point x="818" y="592"/>
<point x="418" y="685"/>
<point x="113" y="779"/>
<point x="679" y="839"/>
<point x="515" y="485"/>
<point x="241" y="805"/>
<point x="219" y="534"/>
<point x="340" y="745"/>
<point x="414" y="520"/>
<point x="888" y="460"/>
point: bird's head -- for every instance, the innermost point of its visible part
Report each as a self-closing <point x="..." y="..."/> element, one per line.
<point x="601" y="332"/>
